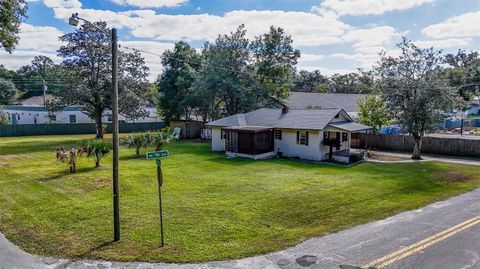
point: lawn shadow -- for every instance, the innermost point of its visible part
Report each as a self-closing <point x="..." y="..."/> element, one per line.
<point x="66" y="173"/>
<point x="89" y="252"/>
<point x="132" y="157"/>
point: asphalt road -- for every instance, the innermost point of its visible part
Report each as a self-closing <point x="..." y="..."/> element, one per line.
<point x="444" y="235"/>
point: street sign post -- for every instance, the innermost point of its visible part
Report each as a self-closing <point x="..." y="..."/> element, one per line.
<point x="156" y="155"/>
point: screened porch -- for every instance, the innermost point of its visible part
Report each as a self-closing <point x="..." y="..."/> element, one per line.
<point x="254" y="142"/>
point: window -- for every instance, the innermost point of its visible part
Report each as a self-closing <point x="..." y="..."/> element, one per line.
<point x="109" y="117"/>
<point x="73" y="119"/>
<point x="344" y="137"/>
<point x="302" y="138"/>
<point x="278" y="134"/>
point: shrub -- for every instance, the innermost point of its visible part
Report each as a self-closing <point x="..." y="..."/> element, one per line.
<point x="137" y="141"/>
<point x="356" y="157"/>
<point x="161" y="138"/>
<point x="97" y="149"/>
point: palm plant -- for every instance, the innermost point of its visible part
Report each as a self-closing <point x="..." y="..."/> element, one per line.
<point x="137" y="141"/>
<point x="97" y="149"/>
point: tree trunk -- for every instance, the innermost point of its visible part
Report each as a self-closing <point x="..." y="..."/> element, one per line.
<point x="138" y="151"/>
<point x="99" y="125"/>
<point x="97" y="162"/>
<point x="417" y="148"/>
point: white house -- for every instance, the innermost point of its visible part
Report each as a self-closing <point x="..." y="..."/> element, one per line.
<point x="31" y="114"/>
<point x="296" y="133"/>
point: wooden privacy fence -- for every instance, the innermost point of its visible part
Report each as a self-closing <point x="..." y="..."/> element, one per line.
<point x="460" y="147"/>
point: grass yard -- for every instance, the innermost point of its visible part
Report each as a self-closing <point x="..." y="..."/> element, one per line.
<point x="215" y="208"/>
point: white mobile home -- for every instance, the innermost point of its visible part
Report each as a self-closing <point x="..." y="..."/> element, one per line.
<point x="291" y="133"/>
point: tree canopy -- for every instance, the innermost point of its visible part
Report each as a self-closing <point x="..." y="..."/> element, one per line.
<point x="420" y="96"/>
<point x="12" y="13"/>
<point x="87" y="56"/>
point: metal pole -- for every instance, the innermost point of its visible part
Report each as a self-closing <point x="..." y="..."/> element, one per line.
<point x="461" y="126"/>
<point x="116" y="206"/>
<point x="160" y="183"/>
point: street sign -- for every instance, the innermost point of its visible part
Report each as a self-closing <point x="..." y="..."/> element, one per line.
<point x="157" y="154"/>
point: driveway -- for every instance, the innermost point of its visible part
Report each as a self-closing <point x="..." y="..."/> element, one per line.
<point x="442" y="235"/>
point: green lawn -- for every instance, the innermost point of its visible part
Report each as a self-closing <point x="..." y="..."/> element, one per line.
<point x="215" y="208"/>
<point x="473" y="116"/>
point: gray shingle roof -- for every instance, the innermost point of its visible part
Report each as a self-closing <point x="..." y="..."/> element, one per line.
<point x="307" y="100"/>
<point x="312" y="119"/>
<point x="349" y="126"/>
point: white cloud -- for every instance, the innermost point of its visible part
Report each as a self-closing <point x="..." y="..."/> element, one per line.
<point x="372" y="37"/>
<point x="150" y="3"/>
<point x="364" y="7"/>
<point x="306" y="57"/>
<point x="34" y="40"/>
<point x="465" y="25"/>
<point x="445" y="43"/>
<point x="152" y="61"/>
<point x="63" y="3"/>
<point x="307" y="29"/>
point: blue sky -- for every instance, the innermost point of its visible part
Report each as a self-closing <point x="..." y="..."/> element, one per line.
<point x="333" y="35"/>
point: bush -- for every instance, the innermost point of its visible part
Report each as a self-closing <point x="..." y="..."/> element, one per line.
<point x="356" y="157"/>
<point x="97" y="149"/>
<point x="161" y="138"/>
<point x="137" y="141"/>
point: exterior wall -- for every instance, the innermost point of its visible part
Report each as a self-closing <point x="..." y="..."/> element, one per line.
<point x="255" y="157"/>
<point x="218" y="144"/>
<point x="474" y="110"/>
<point x="195" y="128"/>
<point x="289" y="147"/>
<point x="38" y="115"/>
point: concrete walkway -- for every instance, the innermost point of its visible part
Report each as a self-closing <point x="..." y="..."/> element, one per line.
<point x="347" y="249"/>
<point x="445" y="159"/>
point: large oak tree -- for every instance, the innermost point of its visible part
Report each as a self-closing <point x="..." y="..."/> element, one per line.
<point x="87" y="56"/>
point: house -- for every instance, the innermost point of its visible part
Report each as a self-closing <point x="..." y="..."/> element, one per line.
<point x="310" y="100"/>
<point x="189" y="129"/>
<point x="34" y="114"/>
<point x="296" y="133"/>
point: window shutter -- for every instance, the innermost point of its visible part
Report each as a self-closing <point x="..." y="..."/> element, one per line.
<point x="306" y="138"/>
<point x="298" y="137"/>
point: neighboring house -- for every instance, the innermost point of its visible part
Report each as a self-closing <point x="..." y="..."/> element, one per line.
<point x="474" y="107"/>
<point x="31" y="114"/>
<point x="189" y="129"/>
<point x="308" y="100"/>
<point x="296" y="133"/>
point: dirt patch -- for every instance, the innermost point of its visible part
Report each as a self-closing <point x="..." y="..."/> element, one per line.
<point x="387" y="158"/>
<point x="101" y="182"/>
<point x="454" y="176"/>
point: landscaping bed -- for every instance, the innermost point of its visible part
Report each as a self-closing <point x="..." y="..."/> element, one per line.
<point x="215" y="208"/>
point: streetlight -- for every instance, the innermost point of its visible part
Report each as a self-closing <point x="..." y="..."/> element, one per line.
<point x="74" y="20"/>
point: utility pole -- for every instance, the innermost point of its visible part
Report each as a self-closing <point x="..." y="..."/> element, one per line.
<point x="116" y="206"/>
<point x="73" y="20"/>
<point x="44" y="93"/>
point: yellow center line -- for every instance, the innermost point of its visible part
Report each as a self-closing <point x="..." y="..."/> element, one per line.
<point x="451" y="231"/>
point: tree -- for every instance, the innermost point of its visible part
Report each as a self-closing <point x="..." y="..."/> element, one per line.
<point x="29" y="78"/>
<point x="464" y="73"/>
<point x="175" y="83"/>
<point x="374" y="112"/>
<point x="226" y="81"/>
<point x="414" y="90"/>
<point x="87" y="56"/>
<point x="358" y="83"/>
<point x="8" y="91"/>
<point x="3" y="117"/>
<point x="313" y="81"/>
<point x="275" y="61"/>
<point x="137" y="141"/>
<point x="12" y="13"/>
<point x="97" y="149"/>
